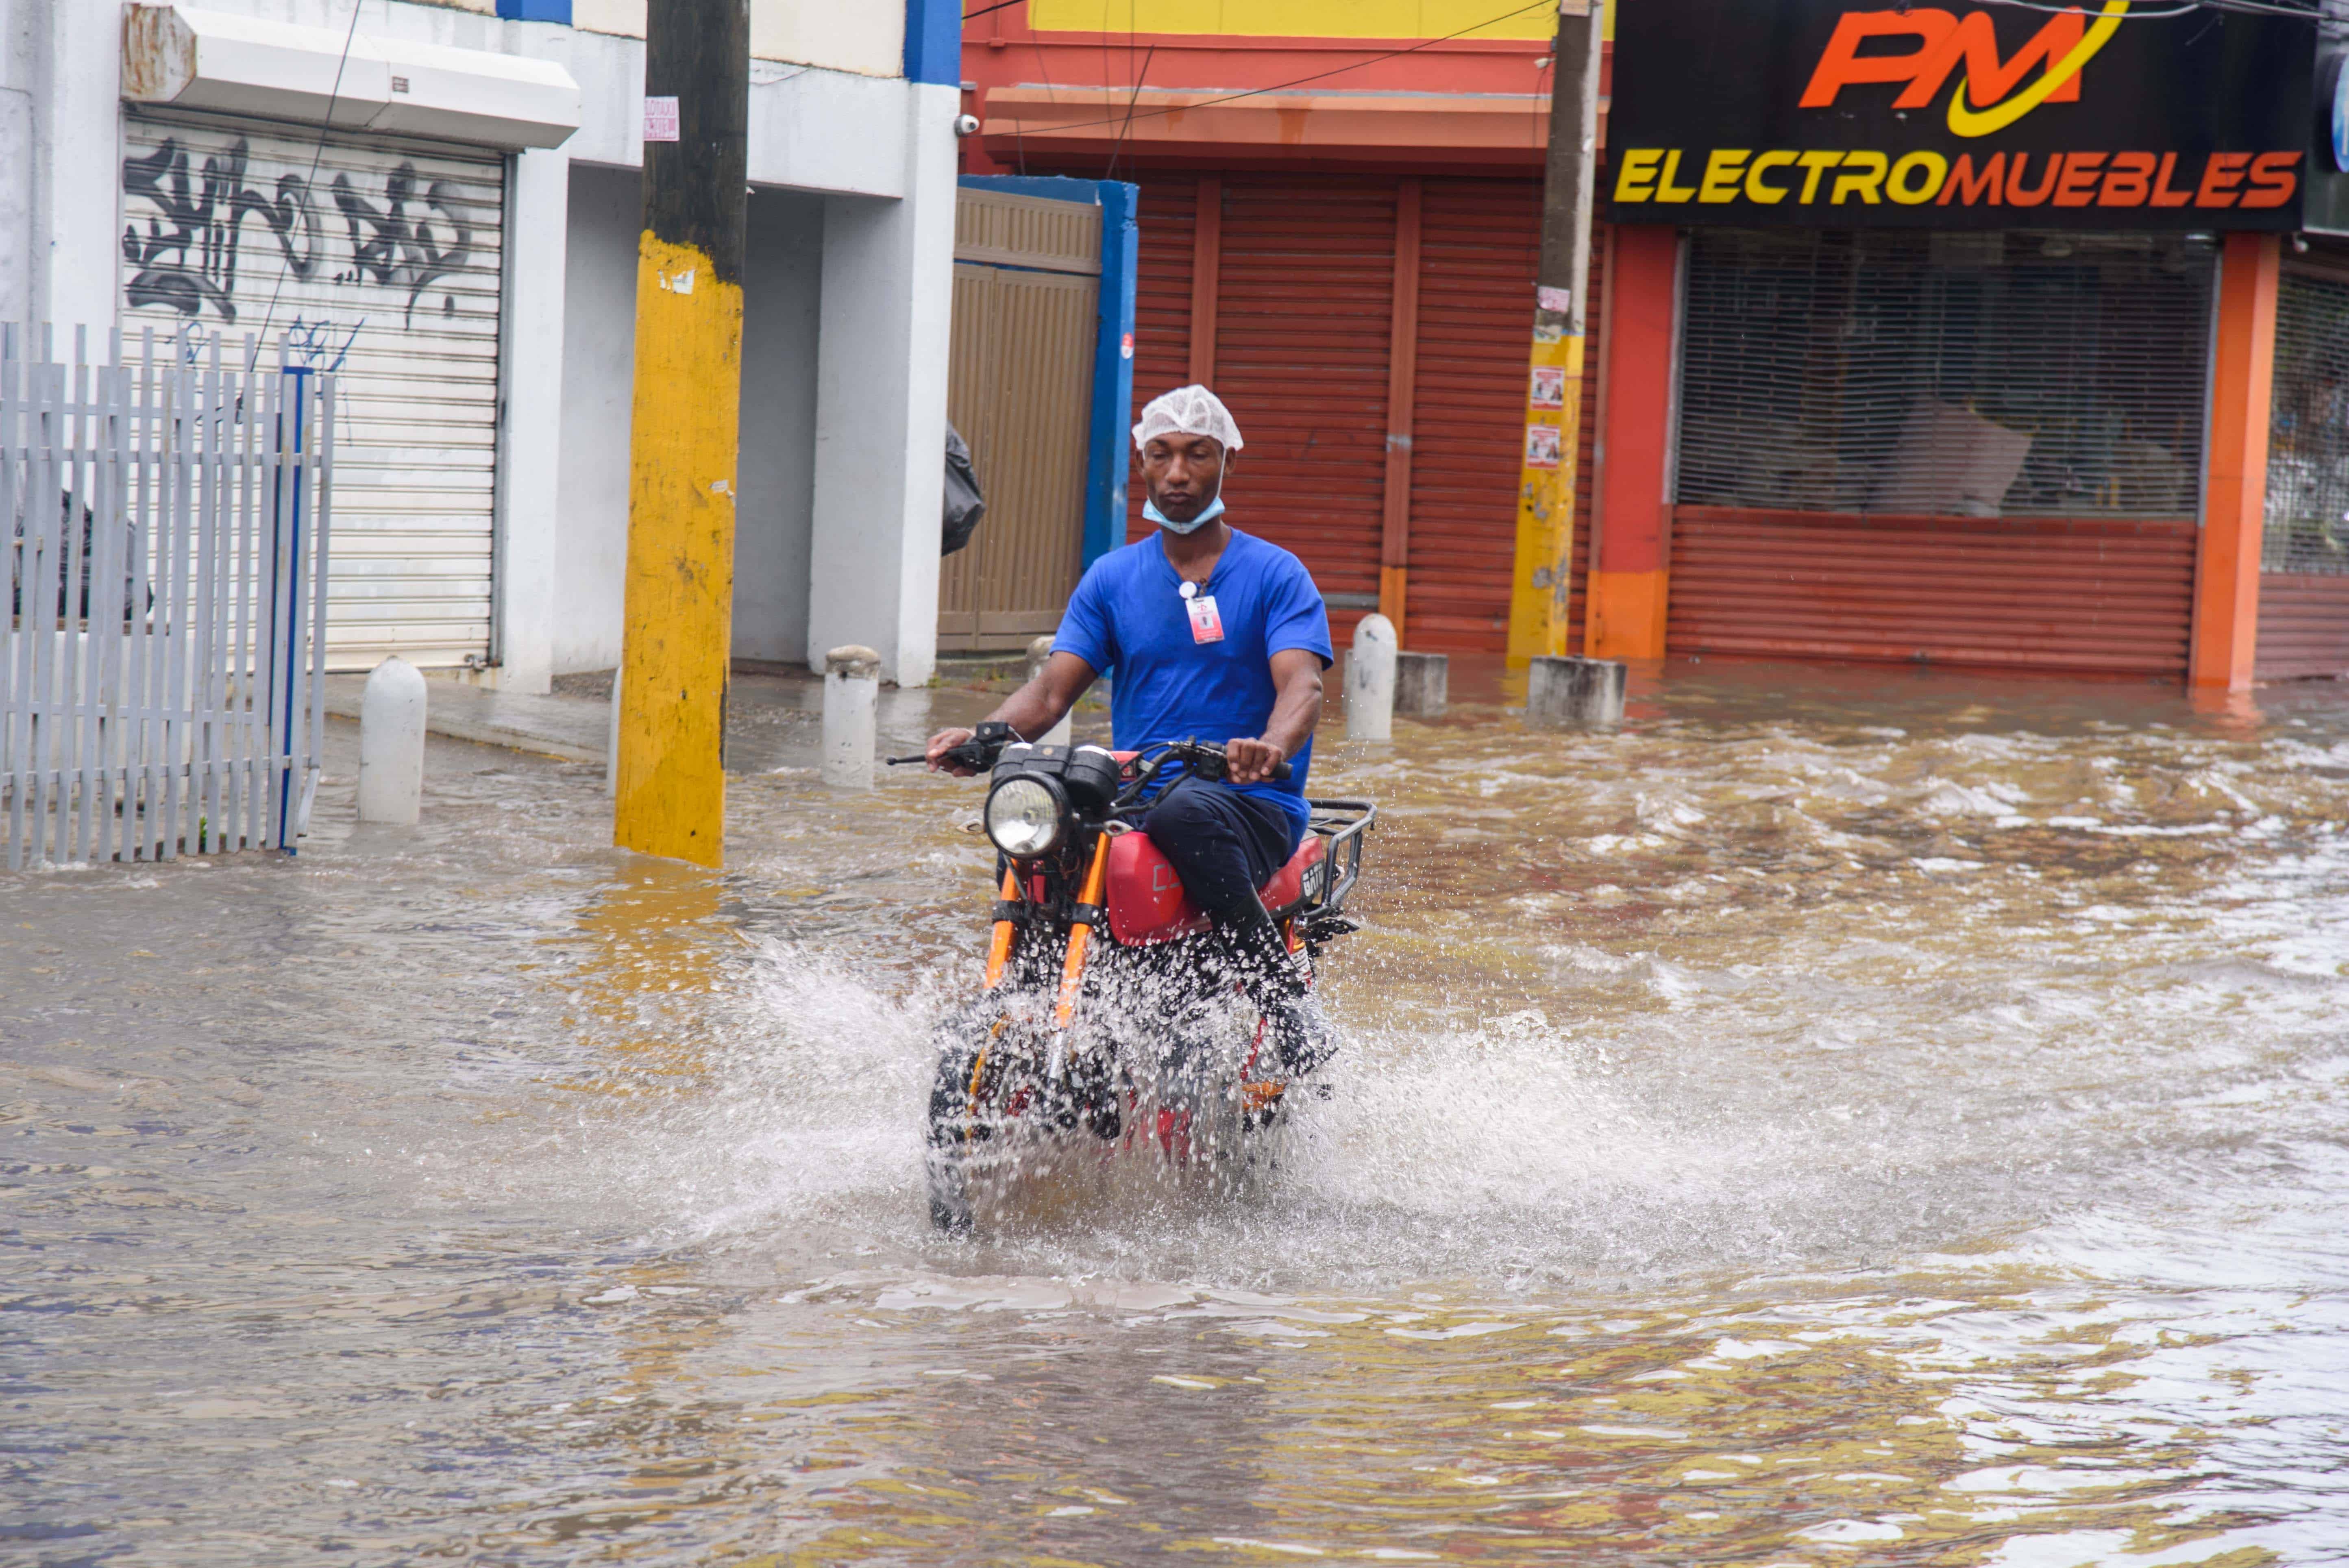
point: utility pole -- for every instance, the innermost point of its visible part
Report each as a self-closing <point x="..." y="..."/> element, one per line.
<point x="669" y="776"/>
<point x="1543" y="580"/>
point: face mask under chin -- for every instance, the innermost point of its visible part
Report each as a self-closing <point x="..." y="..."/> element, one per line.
<point x="1207" y="514"/>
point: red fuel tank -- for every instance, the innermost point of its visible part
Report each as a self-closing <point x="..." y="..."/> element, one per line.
<point x="1146" y="903"/>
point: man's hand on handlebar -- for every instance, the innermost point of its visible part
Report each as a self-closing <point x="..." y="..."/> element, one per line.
<point x="1251" y="762"/>
<point x="940" y="745"/>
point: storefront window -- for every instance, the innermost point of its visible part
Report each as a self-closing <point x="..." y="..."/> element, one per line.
<point x="1960" y="375"/>
<point x="2308" y="445"/>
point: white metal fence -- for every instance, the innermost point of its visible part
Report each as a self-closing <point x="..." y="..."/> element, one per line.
<point x="161" y="678"/>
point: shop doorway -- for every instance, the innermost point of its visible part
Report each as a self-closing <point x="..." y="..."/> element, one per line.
<point x="1019" y="390"/>
<point x="1978" y="449"/>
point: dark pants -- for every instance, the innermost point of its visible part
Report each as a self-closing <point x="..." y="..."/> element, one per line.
<point x="1223" y="845"/>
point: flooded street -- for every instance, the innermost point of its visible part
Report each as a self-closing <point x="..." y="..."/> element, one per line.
<point x="1842" y="1117"/>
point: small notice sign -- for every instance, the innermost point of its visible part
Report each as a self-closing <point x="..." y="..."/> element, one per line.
<point x="1541" y="446"/>
<point x="661" y="119"/>
<point x="1549" y="390"/>
<point x="1560" y="300"/>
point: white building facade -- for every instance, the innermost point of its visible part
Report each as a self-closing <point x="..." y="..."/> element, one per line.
<point x="441" y="204"/>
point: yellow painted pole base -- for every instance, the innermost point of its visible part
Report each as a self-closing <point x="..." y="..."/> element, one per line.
<point x="669" y="786"/>
<point x="1542" y="581"/>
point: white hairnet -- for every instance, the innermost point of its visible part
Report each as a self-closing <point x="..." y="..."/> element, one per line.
<point x="1188" y="410"/>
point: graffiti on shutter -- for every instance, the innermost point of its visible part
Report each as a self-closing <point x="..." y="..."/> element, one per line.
<point x="376" y="259"/>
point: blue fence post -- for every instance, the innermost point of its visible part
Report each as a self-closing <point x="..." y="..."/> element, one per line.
<point x="297" y="393"/>
<point x="1121" y="246"/>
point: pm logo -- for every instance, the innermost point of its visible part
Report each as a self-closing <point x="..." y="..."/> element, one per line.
<point x="1990" y="94"/>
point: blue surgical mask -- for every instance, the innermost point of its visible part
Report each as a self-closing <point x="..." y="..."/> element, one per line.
<point x="1207" y="514"/>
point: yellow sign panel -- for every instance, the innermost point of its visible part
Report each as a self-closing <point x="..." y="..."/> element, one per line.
<point x="1299" y="19"/>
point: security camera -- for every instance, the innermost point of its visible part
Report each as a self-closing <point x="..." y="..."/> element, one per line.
<point x="966" y="125"/>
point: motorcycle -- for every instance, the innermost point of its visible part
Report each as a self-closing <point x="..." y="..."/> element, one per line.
<point x="1110" y="1021"/>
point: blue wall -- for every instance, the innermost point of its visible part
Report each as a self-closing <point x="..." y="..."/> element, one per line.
<point x="535" y="11"/>
<point x="932" y="41"/>
<point x="1109" y="430"/>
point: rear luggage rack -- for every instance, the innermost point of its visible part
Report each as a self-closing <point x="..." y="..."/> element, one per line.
<point x="1339" y="824"/>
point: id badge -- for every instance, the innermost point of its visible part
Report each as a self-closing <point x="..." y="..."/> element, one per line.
<point x="1207" y="626"/>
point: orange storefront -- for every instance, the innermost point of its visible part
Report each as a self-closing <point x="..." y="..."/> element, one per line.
<point x="1949" y="337"/>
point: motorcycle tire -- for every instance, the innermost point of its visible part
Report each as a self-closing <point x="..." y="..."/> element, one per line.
<point x="950" y="1194"/>
<point x="950" y="1132"/>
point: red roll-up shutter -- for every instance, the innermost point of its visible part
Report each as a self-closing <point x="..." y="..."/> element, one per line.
<point x="1303" y="297"/>
<point x="1480" y="245"/>
<point x="1168" y="219"/>
<point x="2304" y="627"/>
<point x="1479" y="250"/>
<point x="2033" y="593"/>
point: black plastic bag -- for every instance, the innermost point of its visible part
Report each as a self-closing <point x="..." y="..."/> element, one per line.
<point x="966" y="503"/>
<point x="20" y="573"/>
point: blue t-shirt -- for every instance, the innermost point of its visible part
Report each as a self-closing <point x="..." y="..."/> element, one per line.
<point x="1127" y="620"/>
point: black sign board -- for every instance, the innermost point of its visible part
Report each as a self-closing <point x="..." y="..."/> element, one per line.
<point x="1826" y="114"/>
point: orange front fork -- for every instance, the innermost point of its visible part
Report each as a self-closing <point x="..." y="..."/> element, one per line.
<point x="999" y="952"/>
<point x="1072" y="972"/>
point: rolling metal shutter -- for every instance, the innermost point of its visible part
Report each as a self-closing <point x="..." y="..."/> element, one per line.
<point x="2305" y="550"/>
<point x="1479" y="250"/>
<point x="382" y="259"/>
<point x="1304" y="291"/>
<point x="1307" y="283"/>
<point x="1972" y="448"/>
<point x="1168" y="217"/>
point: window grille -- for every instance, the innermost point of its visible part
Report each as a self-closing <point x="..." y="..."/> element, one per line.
<point x="2308" y="442"/>
<point x="1948" y="374"/>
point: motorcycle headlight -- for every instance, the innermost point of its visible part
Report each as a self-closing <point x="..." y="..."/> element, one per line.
<point x="1024" y="815"/>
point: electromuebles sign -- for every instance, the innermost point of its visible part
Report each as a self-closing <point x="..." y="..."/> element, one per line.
<point x="1825" y="114"/>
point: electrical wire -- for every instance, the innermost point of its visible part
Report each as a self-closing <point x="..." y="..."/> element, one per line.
<point x="2184" y="8"/>
<point x="1135" y="97"/>
<point x="317" y="154"/>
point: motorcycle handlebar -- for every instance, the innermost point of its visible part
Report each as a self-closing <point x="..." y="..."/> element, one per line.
<point x="980" y="752"/>
<point x="1209" y="761"/>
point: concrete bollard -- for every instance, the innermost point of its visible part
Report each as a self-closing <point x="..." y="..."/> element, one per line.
<point x="1371" y="681"/>
<point x="1038" y="652"/>
<point x="391" y="743"/>
<point x="1576" y="691"/>
<point x="852" y="698"/>
<point x="1422" y="684"/>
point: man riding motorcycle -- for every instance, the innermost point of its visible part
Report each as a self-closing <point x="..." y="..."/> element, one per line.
<point x="1207" y="631"/>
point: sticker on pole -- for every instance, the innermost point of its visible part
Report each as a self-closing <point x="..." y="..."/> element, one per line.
<point x="661" y="119"/>
<point x="1559" y="299"/>
<point x="1125" y="346"/>
<point x="1548" y="389"/>
<point x="1541" y="446"/>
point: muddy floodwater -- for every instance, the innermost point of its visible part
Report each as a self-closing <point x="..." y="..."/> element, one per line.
<point x="1842" y="1117"/>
